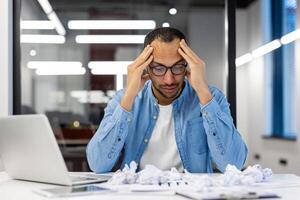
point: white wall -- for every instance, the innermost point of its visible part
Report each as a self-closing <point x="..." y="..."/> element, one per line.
<point x="251" y="98"/>
<point x="243" y="46"/>
<point x="206" y="37"/>
<point x="250" y="79"/>
<point x="5" y="59"/>
<point x="298" y="77"/>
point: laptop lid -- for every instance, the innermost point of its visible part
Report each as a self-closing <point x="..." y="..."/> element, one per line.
<point x="29" y="150"/>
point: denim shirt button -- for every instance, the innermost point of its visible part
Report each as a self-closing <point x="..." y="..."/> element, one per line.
<point x="128" y="119"/>
<point x="109" y="155"/>
<point x="205" y="114"/>
<point x="146" y="140"/>
<point x="154" y="117"/>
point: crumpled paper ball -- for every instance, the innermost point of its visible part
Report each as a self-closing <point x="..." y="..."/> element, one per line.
<point x="251" y="175"/>
<point x="152" y="175"/>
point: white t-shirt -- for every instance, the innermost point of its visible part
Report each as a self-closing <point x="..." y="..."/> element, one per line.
<point x="162" y="150"/>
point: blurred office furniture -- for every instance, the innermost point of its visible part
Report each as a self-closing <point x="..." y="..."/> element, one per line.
<point x="72" y="132"/>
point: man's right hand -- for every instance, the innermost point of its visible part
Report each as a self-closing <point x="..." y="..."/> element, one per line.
<point x="135" y="78"/>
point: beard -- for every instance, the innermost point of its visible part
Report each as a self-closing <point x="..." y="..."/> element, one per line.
<point x="168" y="91"/>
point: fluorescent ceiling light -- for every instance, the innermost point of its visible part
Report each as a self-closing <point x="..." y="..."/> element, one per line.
<point x="32" y="52"/>
<point x="58" y="26"/>
<point x="94" y="100"/>
<point x="165" y="24"/>
<point x="55" y="39"/>
<point x="271" y="46"/>
<point x="94" y="96"/>
<point x="119" y="82"/>
<point x="83" y="93"/>
<point x="243" y="59"/>
<point x="111" y="24"/>
<point x="106" y="64"/>
<point x="46" y="6"/>
<point x="109" y="67"/>
<point x="173" y="11"/>
<point x="60" y="71"/>
<point x="290" y="37"/>
<point x="56" y="67"/>
<point x="51" y="64"/>
<point x="37" y="24"/>
<point x="266" y="48"/>
<point x="110" y="39"/>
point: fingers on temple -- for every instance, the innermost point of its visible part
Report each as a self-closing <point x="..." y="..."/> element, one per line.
<point x="143" y="56"/>
<point x="188" y="50"/>
<point x="146" y="63"/>
<point x="184" y="55"/>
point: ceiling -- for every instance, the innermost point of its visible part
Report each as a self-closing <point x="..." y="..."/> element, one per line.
<point x="114" y="5"/>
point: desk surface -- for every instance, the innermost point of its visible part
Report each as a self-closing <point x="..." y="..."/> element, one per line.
<point x="285" y="185"/>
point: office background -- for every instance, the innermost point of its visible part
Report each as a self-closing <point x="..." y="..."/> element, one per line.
<point x="253" y="88"/>
<point x="204" y="25"/>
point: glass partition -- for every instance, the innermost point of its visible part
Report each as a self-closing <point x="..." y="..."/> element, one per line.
<point x="74" y="57"/>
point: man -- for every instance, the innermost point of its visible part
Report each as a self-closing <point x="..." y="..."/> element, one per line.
<point x="173" y="120"/>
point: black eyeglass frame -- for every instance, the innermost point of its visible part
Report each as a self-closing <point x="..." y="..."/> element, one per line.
<point x="185" y="64"/>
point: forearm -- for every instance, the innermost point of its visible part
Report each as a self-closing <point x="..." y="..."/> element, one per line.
<point x="224" y="141"/>
<point x="104" y="148"/>
<point x="103" y="154"/>
<point x="203" y="93"/>
<point x="127" y="101"/>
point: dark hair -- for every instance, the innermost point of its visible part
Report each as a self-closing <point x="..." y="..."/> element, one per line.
<point x="165" y="34"/>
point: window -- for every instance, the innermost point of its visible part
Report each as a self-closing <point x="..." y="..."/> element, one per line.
<point x="281" y="70"/>
<point x="61" y="75"/>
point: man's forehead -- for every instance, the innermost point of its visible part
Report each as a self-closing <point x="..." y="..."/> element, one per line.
<point x="165" y="49"/>
<point x="158" y="43"/>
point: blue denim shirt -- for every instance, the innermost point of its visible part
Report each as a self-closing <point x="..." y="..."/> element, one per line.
<point x="203" y="133"/>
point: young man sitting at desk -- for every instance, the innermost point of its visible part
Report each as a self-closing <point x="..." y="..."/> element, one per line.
<point x="172" y="120"/>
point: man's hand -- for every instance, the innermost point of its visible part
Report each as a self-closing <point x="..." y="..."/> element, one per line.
<point x="135" y="78"/>
<point x="196" y="76"/>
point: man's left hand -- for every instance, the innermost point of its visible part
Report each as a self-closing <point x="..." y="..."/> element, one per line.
<point x="196" y="75"/>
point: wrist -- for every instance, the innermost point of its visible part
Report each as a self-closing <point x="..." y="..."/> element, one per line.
<point x="127" y="101"/>
<point x="204" y="95"/>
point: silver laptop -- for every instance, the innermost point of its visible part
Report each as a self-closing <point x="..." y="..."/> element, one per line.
<point x="29" y="151"/>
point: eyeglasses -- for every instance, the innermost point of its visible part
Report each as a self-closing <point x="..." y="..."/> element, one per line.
<point x="161" y="70"/>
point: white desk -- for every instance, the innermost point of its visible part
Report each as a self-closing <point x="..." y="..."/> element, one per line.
<point x="285" y="185"/>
